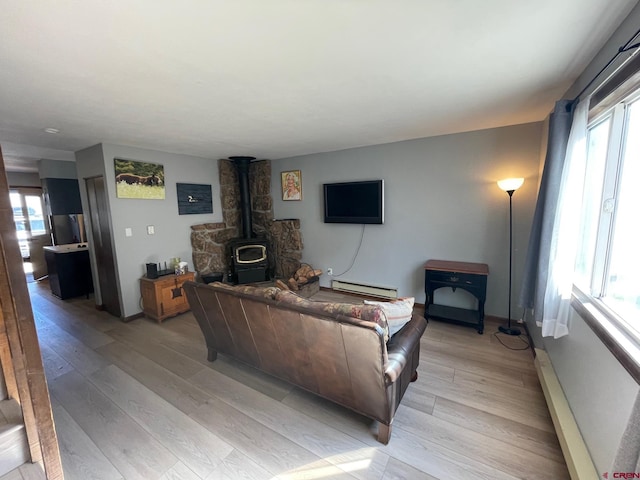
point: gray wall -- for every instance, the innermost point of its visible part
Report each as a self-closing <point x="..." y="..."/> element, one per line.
<point x="599" y="390"/>
<point x="441" y="202"/>
<point x="46" y="169"/>
<point x="57" y="169"/>
<point x="172" y="231"/>
<point x="23" y="179"/>
<point x="90" y="163"/>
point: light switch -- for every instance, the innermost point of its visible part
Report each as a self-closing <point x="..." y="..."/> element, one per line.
<point x="128" y="232"/>
<point x="151" y="230"/>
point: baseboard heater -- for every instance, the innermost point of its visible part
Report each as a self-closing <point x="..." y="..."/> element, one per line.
<point x="364" y="289"/>
<point x="573" y="447"/>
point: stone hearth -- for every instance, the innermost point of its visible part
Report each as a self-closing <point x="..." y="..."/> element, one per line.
<point x="209" y="240"/>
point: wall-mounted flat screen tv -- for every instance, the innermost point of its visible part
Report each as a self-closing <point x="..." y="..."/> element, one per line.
<point x="354" y="202"/>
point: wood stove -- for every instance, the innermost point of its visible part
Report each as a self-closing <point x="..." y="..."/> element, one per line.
<point x="249" y="255"/>
<point x="250" y="260"/>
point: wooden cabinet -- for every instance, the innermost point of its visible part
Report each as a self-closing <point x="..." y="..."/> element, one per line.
<point x="164" y="297"/>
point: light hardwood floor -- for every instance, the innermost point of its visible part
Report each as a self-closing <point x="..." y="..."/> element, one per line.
<point x="140" y="401"/>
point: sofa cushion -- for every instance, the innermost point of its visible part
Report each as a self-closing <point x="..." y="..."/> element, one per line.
<point x="398" y="312"/>
<point x="370" y="313"/>
<point x="265" y="292"/>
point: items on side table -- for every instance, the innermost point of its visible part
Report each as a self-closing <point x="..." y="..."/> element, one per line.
<point x="176" y="267"/>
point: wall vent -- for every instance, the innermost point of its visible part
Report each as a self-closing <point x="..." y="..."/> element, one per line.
<point x="364" y="289"/>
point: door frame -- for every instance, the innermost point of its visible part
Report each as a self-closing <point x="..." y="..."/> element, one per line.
<point x="20" y="354"/>
<point x="101" y="247"/>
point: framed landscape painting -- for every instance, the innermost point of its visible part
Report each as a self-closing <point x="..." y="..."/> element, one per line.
<point x="139" y="179"/>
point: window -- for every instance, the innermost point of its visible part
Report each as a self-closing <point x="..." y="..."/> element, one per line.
<point x="608" y="260"/>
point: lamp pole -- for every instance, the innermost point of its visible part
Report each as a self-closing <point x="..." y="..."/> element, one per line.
<point x="510" y="185"/>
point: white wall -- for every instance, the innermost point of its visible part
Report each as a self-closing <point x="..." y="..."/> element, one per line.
<point x="600" y="392"/>
<point x="441" y="202"/>
<point x="172" y="231"/>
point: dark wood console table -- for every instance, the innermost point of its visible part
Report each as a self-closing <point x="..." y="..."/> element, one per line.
<point x="471" y="277"/>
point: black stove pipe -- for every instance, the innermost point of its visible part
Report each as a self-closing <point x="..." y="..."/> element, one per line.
<point x="242" y="167"/>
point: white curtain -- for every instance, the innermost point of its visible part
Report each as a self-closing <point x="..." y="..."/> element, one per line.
<point x="565" y="236"/>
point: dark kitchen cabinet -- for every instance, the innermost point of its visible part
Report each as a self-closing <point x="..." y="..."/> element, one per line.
<point x="62" y="196"/>
<point x="69" y="270"/>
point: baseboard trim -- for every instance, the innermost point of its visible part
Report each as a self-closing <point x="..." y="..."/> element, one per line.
<point x="573" y="447"/>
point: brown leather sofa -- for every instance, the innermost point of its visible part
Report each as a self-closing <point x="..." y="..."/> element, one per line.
<point x="338" y="357"/>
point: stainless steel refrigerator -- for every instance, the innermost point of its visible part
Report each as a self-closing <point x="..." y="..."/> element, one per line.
<point x="67" y="229"/>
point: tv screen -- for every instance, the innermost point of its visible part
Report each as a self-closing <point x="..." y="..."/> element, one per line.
<point x="354" y="202"/>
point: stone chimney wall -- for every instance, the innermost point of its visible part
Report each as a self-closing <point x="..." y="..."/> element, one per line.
<point x="230" y="196"/>
<point x="286" y="242"/>
<point x="209" y="240"/>
<point x="261" y="200"/>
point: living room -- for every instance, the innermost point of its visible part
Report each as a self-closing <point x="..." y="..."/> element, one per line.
<point x="441" y="202"/>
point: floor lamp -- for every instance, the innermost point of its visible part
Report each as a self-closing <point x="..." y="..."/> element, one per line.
<point x="510" y="185"/>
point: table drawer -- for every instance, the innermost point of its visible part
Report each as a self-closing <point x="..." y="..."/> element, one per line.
<point x="453" y="278"/>
<point x="474" y="284"/>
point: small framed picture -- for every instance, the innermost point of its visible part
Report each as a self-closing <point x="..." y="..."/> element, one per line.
<point x="194" y="198"/>
<point x="291" y="185"/>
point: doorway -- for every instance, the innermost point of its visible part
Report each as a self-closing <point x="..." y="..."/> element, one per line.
<point x="32" y="229"/>
<point x="102" y="245"/>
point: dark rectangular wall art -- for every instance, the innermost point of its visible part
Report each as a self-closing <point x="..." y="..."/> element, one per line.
<point x="194" y="198"/>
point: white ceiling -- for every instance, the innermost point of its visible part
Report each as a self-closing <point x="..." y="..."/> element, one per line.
<point x="278" y="78"/>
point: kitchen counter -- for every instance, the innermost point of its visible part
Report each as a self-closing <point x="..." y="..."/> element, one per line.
<point x="71" y="247"/>
<point x="69" y="270"/>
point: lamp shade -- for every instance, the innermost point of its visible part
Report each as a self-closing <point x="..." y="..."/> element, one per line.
<point x="510" y="184"/>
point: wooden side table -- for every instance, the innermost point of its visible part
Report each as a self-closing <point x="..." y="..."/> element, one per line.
<point x="471" y="277"/>
<point x="164" y="297"/>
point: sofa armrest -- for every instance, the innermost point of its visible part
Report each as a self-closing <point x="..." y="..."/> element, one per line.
<point x="401" y="346"/>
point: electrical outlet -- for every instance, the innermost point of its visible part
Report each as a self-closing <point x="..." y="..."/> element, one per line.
<point x="329" y="271"/>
